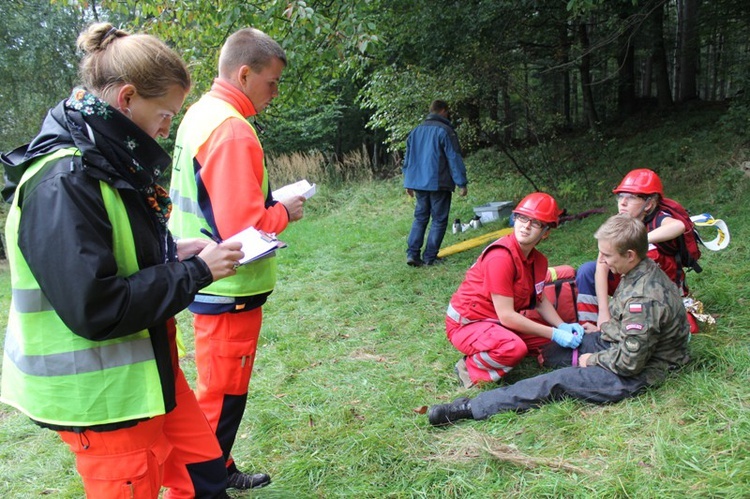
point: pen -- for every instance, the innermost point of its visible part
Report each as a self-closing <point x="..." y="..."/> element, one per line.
<point x="208" y="233"/>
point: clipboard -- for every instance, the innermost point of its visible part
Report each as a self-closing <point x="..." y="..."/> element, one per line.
<point x="256" y="244"/>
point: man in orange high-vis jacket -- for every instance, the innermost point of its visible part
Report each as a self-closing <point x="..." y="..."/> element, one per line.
<point x="220" y="184"/>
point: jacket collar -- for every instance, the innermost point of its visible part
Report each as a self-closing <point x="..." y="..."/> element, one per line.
<point x="225" y="91"/>
<point x="640" y="269"/>
<point x="437" y="117"/>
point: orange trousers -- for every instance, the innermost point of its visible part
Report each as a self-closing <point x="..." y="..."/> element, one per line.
<point x="225" y="346"/>
<point x="135" y="462"/>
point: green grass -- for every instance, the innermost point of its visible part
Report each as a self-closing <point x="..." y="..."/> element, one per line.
<point x="353" y="345"/>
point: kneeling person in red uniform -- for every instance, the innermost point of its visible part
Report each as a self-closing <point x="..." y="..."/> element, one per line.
<point x="483" y="320"/>
<point x="646" y="338"/>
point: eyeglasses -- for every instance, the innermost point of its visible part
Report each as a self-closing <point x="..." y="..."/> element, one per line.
<point x="628" y="197"/>
<point x="523" y="219"/>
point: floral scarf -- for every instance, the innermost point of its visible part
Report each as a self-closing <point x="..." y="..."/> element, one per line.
<point x="131" y="152"/>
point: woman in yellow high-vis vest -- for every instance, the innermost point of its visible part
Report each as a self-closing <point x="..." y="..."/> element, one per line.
<point x="96" y="279"/>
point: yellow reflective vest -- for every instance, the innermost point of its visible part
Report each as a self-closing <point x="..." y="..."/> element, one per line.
<point x="187" y="218"/>
<point x="57" y="377"/>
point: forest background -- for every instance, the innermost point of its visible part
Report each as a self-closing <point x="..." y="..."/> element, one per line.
<point x="564" y="97"/>
<point x="362" y="73"/>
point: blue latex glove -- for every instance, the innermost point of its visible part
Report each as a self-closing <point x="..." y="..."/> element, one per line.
<point x="566" y="339"/>
<point x="572" y="327"/>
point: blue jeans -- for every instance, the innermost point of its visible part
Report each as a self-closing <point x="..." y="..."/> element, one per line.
<point x="435" y="204"/>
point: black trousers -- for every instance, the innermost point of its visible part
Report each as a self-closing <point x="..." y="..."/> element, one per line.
<point x="592" y="384"/>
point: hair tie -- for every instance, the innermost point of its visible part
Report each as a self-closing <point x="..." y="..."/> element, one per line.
<point x="109" y="33"/>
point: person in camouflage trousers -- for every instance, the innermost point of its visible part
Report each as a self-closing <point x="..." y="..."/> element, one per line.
<point x="646" y="338"/>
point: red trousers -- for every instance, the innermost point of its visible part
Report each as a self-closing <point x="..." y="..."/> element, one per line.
<point x="135" y="462"/>
<point x="225" y="346"/>
<point x="491" y="350"/>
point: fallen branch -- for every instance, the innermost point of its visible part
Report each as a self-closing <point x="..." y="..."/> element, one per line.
<point x="508" y="454"/>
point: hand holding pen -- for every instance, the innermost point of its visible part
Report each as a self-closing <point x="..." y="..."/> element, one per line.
<point x="211" y="235"/>
<point x="222" y="258"/>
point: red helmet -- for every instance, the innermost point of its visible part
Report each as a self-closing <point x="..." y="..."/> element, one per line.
<point x="540" y="206"/>
<point x="641" y="181"/>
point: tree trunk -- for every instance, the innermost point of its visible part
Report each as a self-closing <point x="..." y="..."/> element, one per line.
<point x="494" y="112"/>
<point x="508" y="117"/>
<point x="626" y="71"/>
<point x="527" y="107"/>
<point x="689" y="50"/>
<point x="589" y="109"/>
<point x="646" y="70"/>
<point x="659" y="57"/>
<point x="717" y="64"/>
<point x="564" y="58"/>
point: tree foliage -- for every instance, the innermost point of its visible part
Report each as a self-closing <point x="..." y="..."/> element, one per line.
<point x="515" y="72"/>
<point x="37" y="59"/>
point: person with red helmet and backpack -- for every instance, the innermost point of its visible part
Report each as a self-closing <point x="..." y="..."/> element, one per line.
<point x="672" y="244"/>
<point x="483" y="320"/>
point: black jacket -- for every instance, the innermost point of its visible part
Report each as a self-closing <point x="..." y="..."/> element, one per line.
<point x="65" y="236"/>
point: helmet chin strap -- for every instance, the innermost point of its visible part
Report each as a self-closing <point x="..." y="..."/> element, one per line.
<point x="541" y="236"/>
<point x="643" y="211"/>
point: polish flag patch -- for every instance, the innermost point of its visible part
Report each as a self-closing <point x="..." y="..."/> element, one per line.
<point x="635" y="308"/>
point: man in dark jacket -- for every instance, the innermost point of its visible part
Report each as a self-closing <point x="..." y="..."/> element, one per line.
<point x="433" y="167"/>
<point x="645" y="338"/>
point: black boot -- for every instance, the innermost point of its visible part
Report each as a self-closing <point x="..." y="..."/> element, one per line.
<point x="443" y="414"/>
<point x="243" y="481"/>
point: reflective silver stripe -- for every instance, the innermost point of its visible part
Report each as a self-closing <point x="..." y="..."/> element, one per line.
<point x="27" y="301"/>
<point x="213" y="299"/>
<point x="587" y="299"/>
<point x="185" y="204"/>
<point x="588" y="316"/>
<point x="486" y="359"/>
<point x="494" y="375"/>
<point x="80" y="361"/>
<point x="453" y="314"/>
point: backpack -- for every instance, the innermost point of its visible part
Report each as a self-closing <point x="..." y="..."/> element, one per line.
<point x="689" y="251"/>
<point x="560" y="289"/>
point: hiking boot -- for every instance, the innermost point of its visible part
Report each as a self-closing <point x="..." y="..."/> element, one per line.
<point x="243" y="481"/>
<point x="444" y="414"/>
<point x="463" y="373"/>
<point x="436" y="261"/>
<point x="414" y="262"/>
